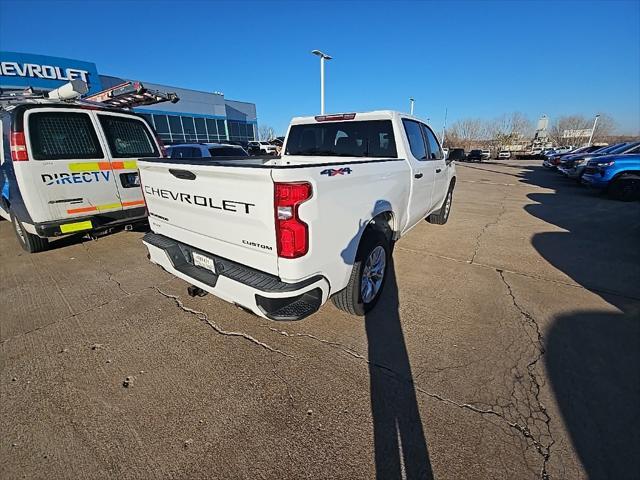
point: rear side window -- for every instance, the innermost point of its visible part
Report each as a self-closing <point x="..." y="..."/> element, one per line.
<point x="369" y="138"/>
<point x="416" y="140"/>
<point x="434" y="147"/>
<point x="127" y="137"/>
<point x="186" y="152"/>
<point x="63" y="136"/>
<point x="228" y="152"/>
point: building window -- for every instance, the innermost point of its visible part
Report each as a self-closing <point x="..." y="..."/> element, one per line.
<point x="222" y="131"/>
<point x="148" y="118"/>
<point x="201" y="129"/>
<point x="161" y="124"/>
<point x="189" y="129"/>
<point x="175" y="126"/>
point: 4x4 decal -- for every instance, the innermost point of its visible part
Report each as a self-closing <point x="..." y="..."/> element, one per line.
<point x="332" y="172"/>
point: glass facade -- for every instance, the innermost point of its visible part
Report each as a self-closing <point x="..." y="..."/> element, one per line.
<point x="174" y="129"/>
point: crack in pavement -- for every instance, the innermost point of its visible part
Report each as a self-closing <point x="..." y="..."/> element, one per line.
<point x="110" y="276"/>
<point x="203" y="317"/>
<point x="82" y="312"/>
<point x="522" y="274"/>
<point x="524" y="430"/>
<point x="486" y="226"/>
<point x="544" y="450"/>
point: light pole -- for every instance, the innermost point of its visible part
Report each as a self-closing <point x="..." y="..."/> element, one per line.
<point x="593" y="129"/>
<point x="323" y="57"/>
<point x="412" y="101"/>
<point x="444" y="127"/>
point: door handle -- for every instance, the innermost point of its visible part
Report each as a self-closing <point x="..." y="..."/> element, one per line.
<point x="418" y="175"/>
<point x="438" y="170"/>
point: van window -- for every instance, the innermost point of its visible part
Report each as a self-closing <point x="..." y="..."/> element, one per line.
<point x="63" y="136"/>
<point x="127" y="137"/>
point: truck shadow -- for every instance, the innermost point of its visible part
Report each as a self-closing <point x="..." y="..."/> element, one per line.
<point x="592" y="356"/>
<point x="400" y="443"/>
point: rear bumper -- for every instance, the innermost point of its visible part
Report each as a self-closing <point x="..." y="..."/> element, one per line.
<point x="91" y="222"/>
<point x="261" y="293"/>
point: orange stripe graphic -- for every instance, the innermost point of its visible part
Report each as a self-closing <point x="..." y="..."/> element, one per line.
<point x="131" y="204"/>
<point x="109" y="206"/>
<point x="82" y="210"/>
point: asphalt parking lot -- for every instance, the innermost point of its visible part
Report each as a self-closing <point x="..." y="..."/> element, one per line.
<point x="506" y="345"/>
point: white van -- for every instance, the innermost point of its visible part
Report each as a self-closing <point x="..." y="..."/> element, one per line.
<point x="70" y="167"/>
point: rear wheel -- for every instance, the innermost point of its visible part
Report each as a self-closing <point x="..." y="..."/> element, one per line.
<point x="368" y="275"/>
<point x="29" y="242"/>
<point x="442" y="216"/>
<point x="625" y="188"/>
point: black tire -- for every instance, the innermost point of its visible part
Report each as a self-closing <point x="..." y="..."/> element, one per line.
<point x="625" y="189"/>
<point x="29" y="242"/>
<point x="349" y="299"/>
<point x="442" y="216"/>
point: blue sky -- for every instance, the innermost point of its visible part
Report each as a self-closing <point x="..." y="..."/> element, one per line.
<point x="478" y="59"/>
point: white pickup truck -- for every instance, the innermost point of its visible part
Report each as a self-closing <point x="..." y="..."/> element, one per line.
<point x="279" y="236"/>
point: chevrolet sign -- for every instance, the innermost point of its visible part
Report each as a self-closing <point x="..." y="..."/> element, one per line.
<point x="18" y="70"/>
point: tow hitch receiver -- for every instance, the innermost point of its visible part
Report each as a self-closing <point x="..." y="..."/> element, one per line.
<point x="194" y="291"/>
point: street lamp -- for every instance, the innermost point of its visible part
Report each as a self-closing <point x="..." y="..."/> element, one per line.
<point x="593" y="129"/>
<point x="323" y="57"/>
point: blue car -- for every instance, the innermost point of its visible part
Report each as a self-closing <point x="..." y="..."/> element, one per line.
<point x="619" y="175"/>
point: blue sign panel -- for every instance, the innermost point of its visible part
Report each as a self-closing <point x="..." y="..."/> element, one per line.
<point x="21" y="70"/>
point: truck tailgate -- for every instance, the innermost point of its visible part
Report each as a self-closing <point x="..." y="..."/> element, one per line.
<point x="225" y="210"/>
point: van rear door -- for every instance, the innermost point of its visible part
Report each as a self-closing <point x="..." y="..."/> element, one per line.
<point x="127" y="138"/>
<point x="68" y="173"/>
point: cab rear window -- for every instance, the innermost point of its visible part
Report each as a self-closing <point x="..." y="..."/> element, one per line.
<point x="127" y="137"/>
<point x="371" y="138"/>
<point x="62" y="136"/>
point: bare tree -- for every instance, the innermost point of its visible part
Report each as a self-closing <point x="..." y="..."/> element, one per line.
<point x="576" y="129"/>
<point x="509" y="129"/>
<point x="266" y="133"/>
<point x="465" y="133"/>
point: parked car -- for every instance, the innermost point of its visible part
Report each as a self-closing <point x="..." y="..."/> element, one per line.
<point x="457" y="154"/>
<point x="205" y="150"/>
<point x="553" y="161"/>
<point x="262" y="148"/>
<point x="474" y="156"/>
<point x="573" y="166"/>
<point x="563" y="150"/>
<point x="618" y="175"/>
<point x="504" y="155"/>
<point x="279" y="239"/>
<point x="486" y="154"/>
<point x="70" y="166"/>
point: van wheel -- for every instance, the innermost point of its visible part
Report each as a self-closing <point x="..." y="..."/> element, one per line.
<point x="625" y="188"/>
<point x="29" y="242"/>
<point x="442" y="216"/>
<point x="368" y="275"/>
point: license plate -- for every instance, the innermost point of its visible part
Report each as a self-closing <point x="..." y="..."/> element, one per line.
<point x="203" y="261"/>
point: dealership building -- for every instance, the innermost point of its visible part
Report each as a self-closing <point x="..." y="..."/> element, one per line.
<point x="197" y="117"/>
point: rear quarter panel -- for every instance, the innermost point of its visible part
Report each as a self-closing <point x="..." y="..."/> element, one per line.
<point x="341" y="207"/>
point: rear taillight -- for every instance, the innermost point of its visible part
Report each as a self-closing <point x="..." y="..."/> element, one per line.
<point x="292" y="234"/>
<point x="18" y="147"/>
